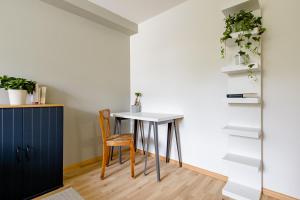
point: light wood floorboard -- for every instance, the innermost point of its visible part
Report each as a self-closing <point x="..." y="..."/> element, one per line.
<point x="176" y="183"/>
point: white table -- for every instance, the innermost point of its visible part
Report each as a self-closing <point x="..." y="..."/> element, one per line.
<point x="154" y="120"/>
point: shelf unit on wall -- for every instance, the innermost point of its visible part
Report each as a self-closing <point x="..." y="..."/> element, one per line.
<point x="243" y="160"/>
<point x="234" y="6"/>
<point x="243" y="131"/>
<point x="240" y="192"/>
<point x="244" y="156"/>
<point x="243" y="100"/>
<point x="237" y="69"/>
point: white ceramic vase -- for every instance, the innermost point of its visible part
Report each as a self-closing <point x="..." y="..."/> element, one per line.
<point x="17" y="97"/>
<point x="136" y="109"/>
<point x="241" y="60"/>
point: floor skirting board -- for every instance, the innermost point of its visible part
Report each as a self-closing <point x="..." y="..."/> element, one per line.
<point x="277" y="195"/>
<point x="76" y="166"/>
<point x="267" y="192"/>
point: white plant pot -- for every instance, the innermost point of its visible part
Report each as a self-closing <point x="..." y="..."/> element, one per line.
<point x="241" y="60"/>
<point x="136" y="109"/>
<point x="17" y="97"/>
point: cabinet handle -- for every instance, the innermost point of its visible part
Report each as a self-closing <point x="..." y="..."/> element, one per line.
<point x="18" y="154"/>
<point x="28" y="150"/>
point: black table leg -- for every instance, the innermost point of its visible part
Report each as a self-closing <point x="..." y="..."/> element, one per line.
<point x="120" y="148"/>
<point x="111" y="153"/>
<point x="169" y="142"/>
<point x="147" y="147"/>
<point x="156" y="150"/>
<point x="135" y="132"/>
<point x="141" y="125"/>
<point x="178" y="142"/>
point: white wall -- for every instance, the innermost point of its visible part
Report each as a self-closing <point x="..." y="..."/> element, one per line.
<point x="281" y="96"/>
<point x="175" y="63"/>
<point x="84" y="65"/>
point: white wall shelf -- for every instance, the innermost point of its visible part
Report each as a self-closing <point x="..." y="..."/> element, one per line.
<point x="234" y="6"/>
<point x="237" y="191"/>
<point x="236" y="69"/>
<point x="236" y="34"/>
<point x="244" y="160"/>
<point x="243" y="100"/>
<point x="243" y="131"/>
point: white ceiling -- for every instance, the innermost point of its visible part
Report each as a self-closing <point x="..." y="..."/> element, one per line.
<point x="137" y="10"/>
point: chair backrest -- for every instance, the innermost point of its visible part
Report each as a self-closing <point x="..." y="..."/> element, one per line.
<point x="104" y="123"/>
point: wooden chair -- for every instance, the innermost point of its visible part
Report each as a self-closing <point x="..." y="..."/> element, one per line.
<point x="114" y="140"/>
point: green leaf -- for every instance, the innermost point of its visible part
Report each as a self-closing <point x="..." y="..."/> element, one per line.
<point x="245" y="22"/>
<point x="250" y="66"/>
<point x="17" y="83"/>
<point x="241" y="53"/>
<point x="257" y="39"/>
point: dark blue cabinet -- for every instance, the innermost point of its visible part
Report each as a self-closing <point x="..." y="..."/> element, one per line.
<point x="31" y="151"/>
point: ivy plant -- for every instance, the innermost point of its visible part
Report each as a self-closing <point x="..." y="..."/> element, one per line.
<point x="138" y="96"/>
<point x="248" y="42"/>
<point x="17" y="84"/>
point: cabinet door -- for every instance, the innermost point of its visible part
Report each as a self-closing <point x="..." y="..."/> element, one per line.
<point x="11" y="157"/>
<point x="43" y="135"/>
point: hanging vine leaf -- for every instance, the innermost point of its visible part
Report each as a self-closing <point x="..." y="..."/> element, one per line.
<point x="241" y="53"/>
<point x="256" y="39"/>
<point x="248" y="35"/>
<point x="248" y="45"/>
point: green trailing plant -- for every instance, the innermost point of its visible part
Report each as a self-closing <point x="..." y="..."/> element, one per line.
<point x="17" y="84"/>
<point x="138" y="96"/>
<point x="250" y="31"/>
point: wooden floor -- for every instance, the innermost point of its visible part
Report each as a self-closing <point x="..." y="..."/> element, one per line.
<point x="176" y="184"/>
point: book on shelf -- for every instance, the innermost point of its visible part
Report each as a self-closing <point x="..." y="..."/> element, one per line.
<point x="243" y="95"/>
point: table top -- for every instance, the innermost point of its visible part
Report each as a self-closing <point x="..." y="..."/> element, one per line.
<point x="145" y="116"/>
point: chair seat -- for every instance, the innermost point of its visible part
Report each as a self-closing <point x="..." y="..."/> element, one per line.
<point x="119" y="139"/>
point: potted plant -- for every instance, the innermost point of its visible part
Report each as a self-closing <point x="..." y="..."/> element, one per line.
<point x="137" y="107"/>
<point x="249" y="29"/>
<point x="17" y="88"/>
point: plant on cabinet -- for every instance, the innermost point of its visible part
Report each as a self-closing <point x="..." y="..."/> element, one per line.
<point x="17" y="88"/>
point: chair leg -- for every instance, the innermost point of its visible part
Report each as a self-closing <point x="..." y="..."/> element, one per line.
<point x="104" y="160"/>
<point x="132" y="158"/>
<point x="108" y="156"/>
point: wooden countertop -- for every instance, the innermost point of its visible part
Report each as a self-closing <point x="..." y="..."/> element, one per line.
<point x="31" y="106"/>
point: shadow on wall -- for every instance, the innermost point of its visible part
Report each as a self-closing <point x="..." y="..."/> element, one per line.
<point x="81" y="128"/>
<point x="82" y="136"/>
